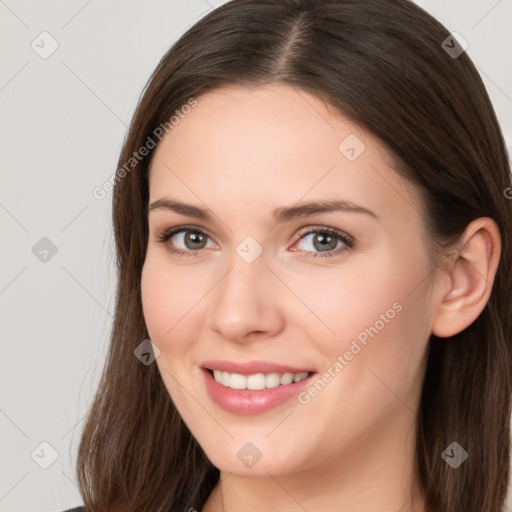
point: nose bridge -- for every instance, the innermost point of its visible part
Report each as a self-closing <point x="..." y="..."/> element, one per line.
<point x="243" y="301"/>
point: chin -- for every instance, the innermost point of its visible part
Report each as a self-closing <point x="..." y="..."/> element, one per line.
<point x="256" y="458"/>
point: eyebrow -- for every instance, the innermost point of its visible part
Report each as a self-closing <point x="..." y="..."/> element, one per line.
<point x="280" y="215"/>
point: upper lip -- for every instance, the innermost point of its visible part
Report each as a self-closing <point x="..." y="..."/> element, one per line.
<point x="252" y="367"/>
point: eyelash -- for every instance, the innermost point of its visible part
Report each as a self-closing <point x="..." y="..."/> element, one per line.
<point x="348" y="241"/>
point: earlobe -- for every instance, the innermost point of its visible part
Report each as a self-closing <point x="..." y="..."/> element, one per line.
<point x="471" y="278"/>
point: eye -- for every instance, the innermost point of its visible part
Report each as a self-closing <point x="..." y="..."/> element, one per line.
<point x="327" y="241"/>
<point x="192" y="238"/>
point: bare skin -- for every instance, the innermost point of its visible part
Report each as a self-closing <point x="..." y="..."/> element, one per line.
<point x="241" y="153"/>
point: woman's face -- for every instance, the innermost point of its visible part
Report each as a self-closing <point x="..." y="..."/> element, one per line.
<point x="256" y="294"/>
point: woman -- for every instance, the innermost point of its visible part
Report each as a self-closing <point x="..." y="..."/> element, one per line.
<point x="312" y="228"/>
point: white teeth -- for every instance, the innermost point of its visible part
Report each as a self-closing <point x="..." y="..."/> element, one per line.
<point x="222" y="377"/>
<point x="272" y="380"/>
<point x="237" y="381"/>
<point x="287" y="378"/>
<point x="257" y="381"/>
<point x="300" y="376"/>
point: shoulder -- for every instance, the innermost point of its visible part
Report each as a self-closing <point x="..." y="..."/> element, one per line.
<point x="76" y="509"/>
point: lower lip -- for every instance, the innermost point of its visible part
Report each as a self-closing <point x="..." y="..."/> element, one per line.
<point x="246" y="401"/>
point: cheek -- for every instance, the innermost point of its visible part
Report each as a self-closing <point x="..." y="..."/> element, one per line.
<point x="343" y="301"/>
<point x="375" y="313"/>
<point x="168" y="299"/>
<point x="155" y="300"/>
<point x="382" y="334"/>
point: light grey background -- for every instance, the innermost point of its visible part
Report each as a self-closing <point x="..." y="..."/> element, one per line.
<point x="63" y="121"/>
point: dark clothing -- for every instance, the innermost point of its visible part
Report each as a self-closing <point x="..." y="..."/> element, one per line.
<point x="77" y="509"/>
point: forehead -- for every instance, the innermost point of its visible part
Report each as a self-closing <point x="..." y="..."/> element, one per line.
<point x="274" y="145"/>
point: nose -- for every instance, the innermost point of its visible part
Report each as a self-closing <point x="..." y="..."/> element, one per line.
<point x="246" y="302"/>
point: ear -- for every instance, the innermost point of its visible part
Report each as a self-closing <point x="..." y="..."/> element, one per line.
<point x="471" y="276"/>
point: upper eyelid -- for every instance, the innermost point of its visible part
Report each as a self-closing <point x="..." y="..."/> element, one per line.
<point x="192" y="227"/>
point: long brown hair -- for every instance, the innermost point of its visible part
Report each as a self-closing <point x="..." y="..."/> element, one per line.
<point x="383" y="64"/>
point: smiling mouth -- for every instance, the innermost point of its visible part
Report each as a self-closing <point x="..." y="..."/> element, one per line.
<point x="256" y="381"/>
<point x="253" y="387"/>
